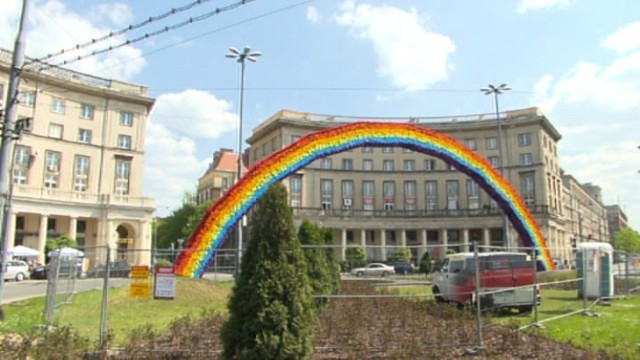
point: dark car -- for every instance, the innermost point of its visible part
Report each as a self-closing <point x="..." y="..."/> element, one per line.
<point x="118" y="269"/>
<point x="66" y="269"/>
<point x="403" y="267"/>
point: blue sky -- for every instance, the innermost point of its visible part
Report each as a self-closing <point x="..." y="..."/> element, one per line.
<point x="578" y="60"/>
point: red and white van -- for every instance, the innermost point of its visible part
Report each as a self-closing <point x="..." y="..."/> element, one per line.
<point x="506" y="280"/>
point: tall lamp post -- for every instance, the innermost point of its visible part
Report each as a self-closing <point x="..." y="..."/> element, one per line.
<point x="241" y="58"/>
<point x="503" y="162"/>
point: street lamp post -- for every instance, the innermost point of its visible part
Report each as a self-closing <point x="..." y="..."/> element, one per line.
<point x="503" y="161"/>
<point x="241" y="58"/>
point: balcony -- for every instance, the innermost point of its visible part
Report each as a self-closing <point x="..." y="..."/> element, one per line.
<point x="85" y="198"/>
<point x="397" y="213"/>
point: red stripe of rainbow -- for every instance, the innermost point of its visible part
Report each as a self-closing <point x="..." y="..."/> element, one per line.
<point x="223" y="214"/>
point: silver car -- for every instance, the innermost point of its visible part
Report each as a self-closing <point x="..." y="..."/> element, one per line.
<point x="16" y="269"/>
<point x="374" y="269"/>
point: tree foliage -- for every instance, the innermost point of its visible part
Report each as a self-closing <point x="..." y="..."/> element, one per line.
<point x="332" y="261"/>
<point x="355" y="256"/>
<point x="271" y="309"/>
<point x="426" y="264"/>
<point x="60" y="242"/>
<point x="627" y="240"/>
<point x="402" y="254"/>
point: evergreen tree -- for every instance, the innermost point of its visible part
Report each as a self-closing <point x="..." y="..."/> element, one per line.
<point x="332" y="261"/>
<point x="271" y="309"/>
<point x="317" y="267"/>
<point x="425" y="263"/>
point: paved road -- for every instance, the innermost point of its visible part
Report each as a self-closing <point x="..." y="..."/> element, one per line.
<point x="15" y="291"/>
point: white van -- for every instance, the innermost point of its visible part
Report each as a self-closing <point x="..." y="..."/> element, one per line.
<point x="17" y="270"/>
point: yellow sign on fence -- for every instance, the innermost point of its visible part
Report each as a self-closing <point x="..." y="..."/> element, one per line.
<point x="139" y="289"/>
<point x="139" y="272"/>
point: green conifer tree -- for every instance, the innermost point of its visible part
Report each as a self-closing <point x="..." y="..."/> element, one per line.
<point x="317" y="266"/>
<point x="271" y="309"/>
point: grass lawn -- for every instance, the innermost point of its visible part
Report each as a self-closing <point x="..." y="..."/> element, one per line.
<point x="125" y="314"/>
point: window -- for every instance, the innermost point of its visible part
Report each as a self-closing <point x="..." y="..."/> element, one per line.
<point x="57" y="105"/>
<point x="123" y="171"/>
<point x="524" y="139"/>
<point x="51" y="225"/>
<point x="409" y="165"/>
<point x="367" y="165"/>
<point x="387" y="165"/>
<point x="55" y="131"/>
<point x="367" y="149"/>
<point x="126" y="118"/>
<point x="295" y="190"/>
<point x="368" y="193"/>
<point x="452" y="195"/>
<point x="80" y="173"/>
<point x="21" y="164"/>
<point x="27" y="98"/>
<point x="494" y="161"/>
<point x="526" y="159"/>
<point x="347" y="164"/>
<point x="347" y="193"/>
<point x="409" y="195"/>
<point x="473" y="195"/>
<point x="451" y="167"/>
<point x="527" y="184"/>
<point x="492" y="143"/>
<point x="429" y="165"/>
<point x="84" y="136"/>
<point x="86" y="111"/>
<point x="471" y="144"/>
<point x="273" y="144"/>
<point x="264" y="149"/>
<point x="407" y="151"/>
<point x="431" y="192"/>
<point x="326" y="193"/>
<point x="389" y="194"/>
<point x="124" y="142"/>
<point x="52" y="169"/>
<point x="325" y="163"/>
<point x="387" y="149"/>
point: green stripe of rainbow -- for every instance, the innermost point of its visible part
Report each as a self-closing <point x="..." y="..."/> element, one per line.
<point x="223" y="214"/>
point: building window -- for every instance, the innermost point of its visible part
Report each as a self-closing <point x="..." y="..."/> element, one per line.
<point x="367" y="149"/>
<point x="294" y="138"/>
<point x="295" y="190"/>
<point x="387" y="165"/>
<point x="326" y="193"/>
<point x="80" y="173"/>
<point x="409" y="195"/>
<point x="527" y="184"/>
<point x="526" y="159"/>
<point x="273" y="144"/>
<point x="387" y="149"/>
<point x="84" y="136"/>
<point x="347" y="164"/>
<point x="494" y="161"/>
<point x="452" y="195"/>
<point x="55" y="131"/>
<point x="409" y="165"/>
<point x="27" y="98"/>
<point x="57" y="105"/>
<point x="451" y="167"/>
<point x="429" y="165"/>
<point x="347" y="193"/>
<point x="123" y="171"/>
<point x="325" y="163"/>
<point x="124" y="142"/>
<point x="264" y="149"/>
<point x="126" y="118"/>
<point x="21" y="164"/>
<point x="52" y="169"/>
<point x="367" y="165"/>
<point x="471" y="144"/>
<point x="431" y="193"/>
<point x="81" y="226"/>
<point x="473" y="195"/>
<point x="492" y="143"/>
<point x="389" y="194"/>
<point x="86" y="111"/>
<point x="51" y="225"/>
<point x="524" y="139"/>
<point x="368" y="194"/>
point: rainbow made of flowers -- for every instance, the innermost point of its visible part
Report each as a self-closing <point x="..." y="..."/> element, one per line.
<point x="223" y="214"/>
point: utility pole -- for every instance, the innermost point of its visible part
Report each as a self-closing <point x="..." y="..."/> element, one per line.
<point x="8" y="135"/>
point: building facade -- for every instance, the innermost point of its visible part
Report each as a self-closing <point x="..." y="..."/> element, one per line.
<point x="77" y="167"/>
<point x="381" y="198"/>
<point x="219" y="177"/>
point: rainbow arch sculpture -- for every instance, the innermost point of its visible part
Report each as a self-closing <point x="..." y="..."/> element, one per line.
<point x="225" y="213"/>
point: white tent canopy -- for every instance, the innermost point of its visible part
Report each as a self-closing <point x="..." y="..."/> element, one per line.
<point x="22" y="251"/>
<point x="66" y="251"/>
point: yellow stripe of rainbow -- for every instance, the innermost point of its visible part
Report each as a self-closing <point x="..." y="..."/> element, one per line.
<point x="223" y="214"/>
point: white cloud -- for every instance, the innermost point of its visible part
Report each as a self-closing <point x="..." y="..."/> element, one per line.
<point x="624" y="39"/>
<point x="313" y="15"/>
<point x="412" y="57"/>
<point x="195" y="113"/>
<point x="52" y="27"/>
<point x="527" y="5"/>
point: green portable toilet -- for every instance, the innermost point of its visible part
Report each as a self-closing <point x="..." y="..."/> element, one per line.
<point x="594" y="262"/>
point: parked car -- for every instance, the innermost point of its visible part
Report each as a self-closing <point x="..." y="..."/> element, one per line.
<point x="403" y="267"/>
<point x="68" y="267"/>
<point x="374" y="269"/>
<point x="17" y="270"/>
<point x="118" y="269"/>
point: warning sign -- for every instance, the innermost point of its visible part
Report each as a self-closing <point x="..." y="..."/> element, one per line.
<point x="139" y="289"/>
<point x="139" y="272"/>
<point x="165" y="283"/>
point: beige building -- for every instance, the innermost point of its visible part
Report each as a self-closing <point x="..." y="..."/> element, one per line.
<point x="78" y="165"/>
<point x="381" y="198"/>
<point x="220" y="175"/>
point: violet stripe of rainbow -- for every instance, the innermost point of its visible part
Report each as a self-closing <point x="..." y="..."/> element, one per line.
<point x="223" y="214"/>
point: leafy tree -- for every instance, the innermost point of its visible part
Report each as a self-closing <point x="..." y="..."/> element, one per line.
<point x="627" y="240"/>
<point x="60" y="242"/>
<point x="173" y="226"/>
<point x="355" y="256"/>
<point x="271" y="312"/>
<point x="425" y="263"/>
<point x="402" y="254"/>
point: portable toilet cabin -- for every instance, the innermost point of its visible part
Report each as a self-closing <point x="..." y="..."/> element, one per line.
<point x="594" y="262"/>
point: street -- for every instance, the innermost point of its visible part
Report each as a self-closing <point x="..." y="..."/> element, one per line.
<point x="15" y="291"/>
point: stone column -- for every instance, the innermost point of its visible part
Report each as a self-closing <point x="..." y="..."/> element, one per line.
<point x="383" y="243"/>
<point x="465" y="240"/>
<point x="11" y="230"/>
<point x="343" y="243"/>
<point x="485" y="239"/>
<point x="423" y="242"/>
<point x="42" y="237"/>
<point x="73" y="228"/>
<point x="444" y="242"/>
